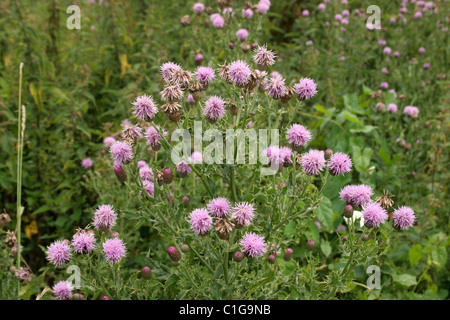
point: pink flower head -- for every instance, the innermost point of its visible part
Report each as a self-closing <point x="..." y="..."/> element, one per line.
<point x="149" y="186"/>
<point x="382" y="42"/>
<point x="109" y="141"/>
<point x="219" y="207"/>
<point x="83" y="242"/>
<point x="247" y="13"/>
<point x="190" y="99"/>
<point x="142" y="164"/>
<point x="285" y="156"/>
<point x="276" y="88"/>
<point x="338" y="17"/>
<point x="403" y="218"/>
<point x="144" y="108"/>
<point x="153" y="138"/>
<point x="122" y="152"/>
<point x="274" y="155"/>
<point x="305" y="13"/>
<point x="183" y="168"/>
<point x="63" y="290"/>
<point x="253" y="245"/>
<point x="384" y="85"/>
<point x="306" y="88"/>
<point x="422" y="50"/>
<point x="243" y="213"/>
<point x="262" y="7"/>
<point x="214" y="108"/>
<point x="239" y="72"/>
<point x="205" y="75"/>
<point x="357" y="195"/>
<point x="87" y="163"/>
<point x="313" y="162"/>
<point x="321" y="6"/>
<point x="218" y="21"/>
<point x="242" y="34"/>
<point x="59" y="253"/>
<point x="200" y="220"/>
<point x="105" y="217"/>
<point x="146" y="173"/>
<point x="114" y="250"/>
<point x="374" y="214"/>
<point x="411" y="111"/>
<point x="198" y="7"/>
<point x="167" y="70"/>
<point x="196" y="157"/>
<point x="392" y="108"/>
<point x="387" y="50"/>
<point x="339" y="163"/>
<point x="298" y="136"/>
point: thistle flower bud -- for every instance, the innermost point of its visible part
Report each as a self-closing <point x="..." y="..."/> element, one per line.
<point x="146" y="273"/>
<point x="381" y="107"/>
<point x="185" y="248"/>
<point x="174" y="254"/>
<point x="288" y="254"/>
<point x="115" y="234"/>
<point x="185" y="201"/>
<point x="78" y="296"/>
<point x="167" y="176"/>
<point x="365" y="237"/>
<point x="345" y="238"/>
<point x="328" y="154"/>
<point x="271" y="258"/>
<point x="310" y="245"/>
<point x="348" y="211"/>
<point x="120" y="173"/>
<point x="245" y="46"/>
<point x="231" y="45"/>
<point x="105" y="298"/>
<point x="238" y="256"/>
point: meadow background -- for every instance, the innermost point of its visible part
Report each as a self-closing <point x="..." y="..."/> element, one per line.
<point x="78" y="85"/>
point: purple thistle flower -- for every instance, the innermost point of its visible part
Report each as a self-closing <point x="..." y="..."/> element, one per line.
<point x="243" y="213"/>
<point x="104" y="218"/>
<point x="144" y="108"/>
<point x="242" y="34"/>
<point x="263" y="57"/>
<point x="190" y="99"/>
<point x="411" y="111"/>
<point x="201" y="222"/>
<point x="276" y="87"/>
<point x="274" y="155"/>
<point x="218" y="21"/>
<point x="384" y="85"/>
<point x="403" y="218"/>
<point x="313" y="162"/>
<point x="298" y="136"/>
<point x="205" y="75"/>
<point x="183" y="169"/>
<point x="142" y="164"/>
<point x="63" y="290"/>
<point x="285" y="156"/>
<point x="253" y="245"/>
<point x="109" y="141"/>
<point x="83" y="242"/>
<point x="167" y="70"/>
<point x="306" y="88"/>
<point x="339" y="163"/>
<point x="422" y="50"/>
<point x="387" y="50"/>
<point x="146" y="173"/>
<point x="198" y="7"/>
<point x="374" y="214"/>
<point x="219" y="207"/>
<point x="114" y="250"/>
<point x="149" y="186"/>
<point x="196" y="157"/>
<point x="122" y="152"/>
<point x="132" y="132"/>
<point x="357" y="195"/>
<point x="59" y="253"/>
<point x="247" y="13"/>
<point x="87" y="163"/>
<point x="392" y="108"/>
<point x="153" y="138"/>
<point x="239" y="72"/>
<point x="214" y="108"/>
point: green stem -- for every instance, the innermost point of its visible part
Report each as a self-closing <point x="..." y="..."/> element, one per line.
<point x="233" y="185"/>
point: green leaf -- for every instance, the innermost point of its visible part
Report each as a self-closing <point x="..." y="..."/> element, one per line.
<point x="415" y="254"/>
<point x="324" y="213"/>
<point x="325" y="247"/>
<point x="439" y="256"/>
<point x="361" y="158"/>
<point x="405" y="280"/>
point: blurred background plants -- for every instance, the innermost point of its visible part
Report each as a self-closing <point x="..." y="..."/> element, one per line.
<point x="78" y="86"/>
